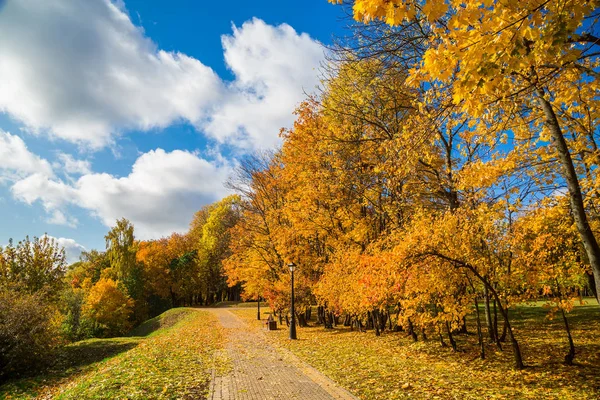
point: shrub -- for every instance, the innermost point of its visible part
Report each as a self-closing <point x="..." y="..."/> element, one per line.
<point x="29" y="332"/>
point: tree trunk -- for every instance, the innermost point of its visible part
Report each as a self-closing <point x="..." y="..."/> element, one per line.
<point x="515" y="345"/>
<point x="571" y="354"/>
<point x="320" y="315"/>
<point x="300" y="317"/>
<point x="359" y="324"/>
<point x="374" y="315"/>
<point x="411" y="330"/>
<point x="575" y="196"/>
<point x="397" y="326"/>
<point x="479" y="333"/>
<point x="504" y="312"/>
<point x="442" y="343"/>
<point x="348" y="320"/>
<point x="450" y="337"/>
<point x="307" y="313"/>
<point x="496" y="321"/>
<point x="463" y="327"/>
<point x="488" y="315"/>
<point x="592" y="284"/>
<point x="328" y="321"/>
<point x="502" y="337"/>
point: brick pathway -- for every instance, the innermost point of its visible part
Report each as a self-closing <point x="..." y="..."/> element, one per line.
<point x="260" y="371"/>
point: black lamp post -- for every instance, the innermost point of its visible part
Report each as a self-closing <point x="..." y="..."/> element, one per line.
<point x="292" y="268"/>
<point x="258" y="312"/>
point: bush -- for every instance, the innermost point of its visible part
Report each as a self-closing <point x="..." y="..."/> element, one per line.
<point x="29" y="332"/>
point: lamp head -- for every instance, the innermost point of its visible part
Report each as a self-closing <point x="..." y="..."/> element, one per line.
<point x="292" y="267"/>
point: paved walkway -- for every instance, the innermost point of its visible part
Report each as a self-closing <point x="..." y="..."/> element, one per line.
<point x="261" y="371"/>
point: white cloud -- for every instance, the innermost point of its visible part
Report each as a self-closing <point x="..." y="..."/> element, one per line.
<point x="83" y="72"/>
<point x="16" y="161"/>
<point x="72" y="249"/>
<point x="73" y="166"/>
<point x="57" y="217"/>
<point x="55" y="193"/>
<point x="159" y="196"/>
<point x="273" y="67"/>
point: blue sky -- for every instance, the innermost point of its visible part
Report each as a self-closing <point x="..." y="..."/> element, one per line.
<point x="139" y="109"/>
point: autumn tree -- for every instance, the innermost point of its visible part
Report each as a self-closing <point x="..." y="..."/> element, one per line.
<point x="109" y="307"/>
<point x="549" y="257"/>
<point x="258" y="247"/>
<point x="88" y="269"/>
<point x="155" y="259"/>
<point x="536" y="58"/>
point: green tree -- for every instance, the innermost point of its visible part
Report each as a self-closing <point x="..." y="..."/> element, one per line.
<point x="121" y="249"/>
<point x="33" y="266"/>
<point x="212" y="241"/>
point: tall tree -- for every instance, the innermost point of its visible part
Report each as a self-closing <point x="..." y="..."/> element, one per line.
<point x="121" y="249"/>
<point x="213" y="246"/>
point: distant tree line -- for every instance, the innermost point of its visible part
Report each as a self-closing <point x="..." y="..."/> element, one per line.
<point x="45" y="303"/>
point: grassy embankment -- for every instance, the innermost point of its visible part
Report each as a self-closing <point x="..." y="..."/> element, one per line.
<point x="167" y="357"/>
<point x="394" y="367"/>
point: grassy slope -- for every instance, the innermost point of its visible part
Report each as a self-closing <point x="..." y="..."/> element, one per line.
<point x="169" y="357"/>
<point x="393" y="367"/>
<point x="239" y="304"/>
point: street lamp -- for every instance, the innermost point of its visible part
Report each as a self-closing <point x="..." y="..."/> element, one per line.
<point x="258" y="312"/>
<point x="292" y="268"/>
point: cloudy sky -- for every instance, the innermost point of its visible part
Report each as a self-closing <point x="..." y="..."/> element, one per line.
<point x="139" y="109"/>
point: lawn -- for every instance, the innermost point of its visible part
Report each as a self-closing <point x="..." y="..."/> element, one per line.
<point x="392" y="366"/>
<point x="168" y="357"/>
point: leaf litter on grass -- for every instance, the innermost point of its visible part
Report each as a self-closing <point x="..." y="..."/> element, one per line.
<point x="173" y="361"/>
<point x="392" y="366"/>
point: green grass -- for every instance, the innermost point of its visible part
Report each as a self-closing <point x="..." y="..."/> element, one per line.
<point x="168" y="357"/>
<point x="163" y="321"/>
<point x="392" y="366"/>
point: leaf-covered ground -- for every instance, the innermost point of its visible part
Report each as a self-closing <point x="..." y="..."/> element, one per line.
<point x="170" y="357"/>
<point x="394" y="367"/>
